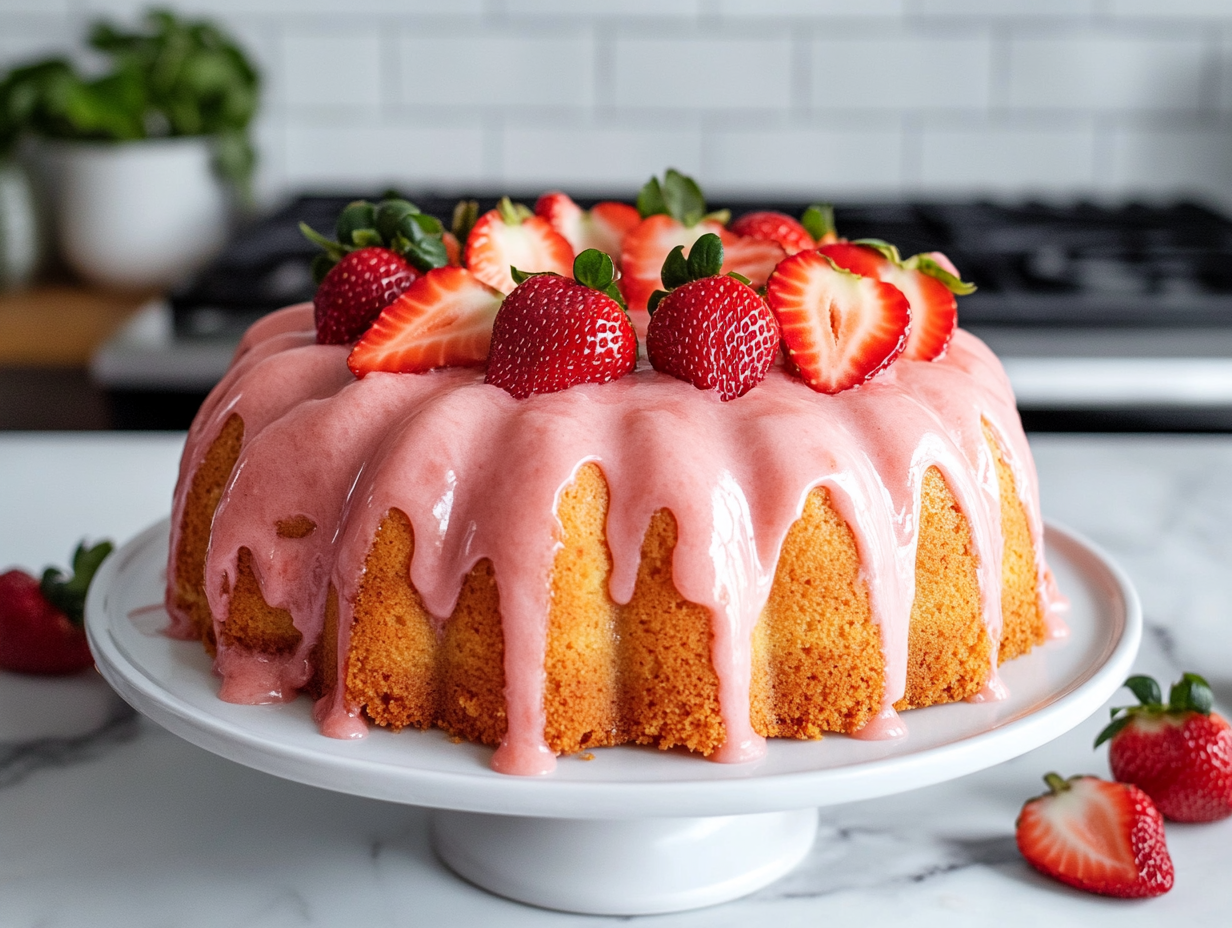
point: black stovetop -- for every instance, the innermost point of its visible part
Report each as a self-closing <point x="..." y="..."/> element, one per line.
<point x="1035" y="264"/>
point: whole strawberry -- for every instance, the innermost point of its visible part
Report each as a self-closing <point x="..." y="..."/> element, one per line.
<point x="41" y="623"/>
<point x="380" y="250"/>
<point x="715" y="332"/>
<point x="355" y="291"/>
<point x="1179" y="754"/>
<point x="552" y="333"/>
<point x="815" y="227"/>
<point x="1103" y="837"/>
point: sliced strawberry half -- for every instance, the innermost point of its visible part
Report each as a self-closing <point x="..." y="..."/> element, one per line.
<point x="840" y="329"/>
<point x="602" y="227"/>
<point x="675" y="214"/>
<point x="512" y="236"/>
<point x="926" y="283"/>
<point x="1106" y="838"/>
<point x="444" y="319"/>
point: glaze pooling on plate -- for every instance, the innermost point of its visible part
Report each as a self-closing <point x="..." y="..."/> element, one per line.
<point x="478" y="474"/>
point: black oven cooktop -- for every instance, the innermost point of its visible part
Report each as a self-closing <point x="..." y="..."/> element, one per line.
<point x="1035" y="264"/>
<point x="1105" y="316"/>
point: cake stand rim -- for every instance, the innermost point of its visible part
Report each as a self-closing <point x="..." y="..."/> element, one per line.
<point x="486" y="792"/>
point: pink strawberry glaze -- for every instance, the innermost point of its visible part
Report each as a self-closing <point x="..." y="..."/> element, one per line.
<point x="479" y="473"/>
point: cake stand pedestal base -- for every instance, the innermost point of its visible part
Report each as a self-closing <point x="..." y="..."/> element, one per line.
<point x="634" y="867"/>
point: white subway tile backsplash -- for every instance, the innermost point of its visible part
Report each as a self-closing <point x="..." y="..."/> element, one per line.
<point x="1170" y="9"/>
<point x="811" y="9"/>
<point x="1007" y="159"/>
<point x="497" y="69"/>
<point x="702" y="73"/>
<point x="574" y="9"/>
<point x="1103" y="71"/>
<point x="902" y="72"/>
<point x="332" y="69"/>
<point x="319" y="155"/>
<point x="615" y="160"/>
<point x="815" y="162"/>
<point x="289" y="10"/>
<point x="1164" y="158"/>
<point x="1001" y="9"/>
<point x="780" y="96"/>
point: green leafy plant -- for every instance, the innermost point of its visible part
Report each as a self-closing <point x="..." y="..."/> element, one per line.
<point x="170" y="78"/>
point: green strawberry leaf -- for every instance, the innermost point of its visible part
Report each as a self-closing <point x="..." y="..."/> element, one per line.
<point x="650" y="200"/>
<point x="359" y="214"/>
<point x="334" y="250"/>
<point x="427" y="254"/>
<point x="926" y="264"/>
<point x="512" y="214"/>
<point x="322" y="264"/>
<point x="675" y="272"/>
<point x="677" y="196"/>
<point x="389" y="213"/>
<point x="705" y="260"/>
<point x="465" y="215"/>
<point x="1146" y="689"/>
<point x="519" y="276"/>
<point x="417" y="237"/>
<point x="735" y="275"/>
<point x="818" y="221"/>
<point x="888" y="251"/>
<point x="706" y="257"/>
<point x="594" y="269"/>
<point x="1191" y="693"/>
<point x="68" y="594"/>
<point x="655" y="299"/>
<point x="1112" y="729"/>
<point x="683" y="198"/>
<point x="367" y="238"/>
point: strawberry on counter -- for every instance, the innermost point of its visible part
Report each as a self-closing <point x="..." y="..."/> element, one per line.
<point x="1106" y="838"/>
<point x="42" y="622"/>
<point x="1179" y="753"/>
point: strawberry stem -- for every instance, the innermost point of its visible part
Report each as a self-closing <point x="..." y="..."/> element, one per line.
<point x="511" y="213"/>
<point x="818" y="221"/>
<point x="1191" y="693"/>
<point x="1056" y="783"/>
<point x="465" y="215"/>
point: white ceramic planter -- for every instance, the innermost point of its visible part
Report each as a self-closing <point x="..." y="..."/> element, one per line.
<point x="21" y="244"/>
<point x="136" y="214"/>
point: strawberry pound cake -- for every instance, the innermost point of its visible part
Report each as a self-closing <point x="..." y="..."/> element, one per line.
<point x="545" y="500"/>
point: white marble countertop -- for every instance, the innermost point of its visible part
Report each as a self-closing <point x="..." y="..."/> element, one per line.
<point x="106" y="820"/>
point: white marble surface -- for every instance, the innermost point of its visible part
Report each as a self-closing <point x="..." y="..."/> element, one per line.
<point x="105" y="820"/>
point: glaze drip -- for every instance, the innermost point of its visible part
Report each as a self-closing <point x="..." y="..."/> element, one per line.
<point x="478" y="474"/>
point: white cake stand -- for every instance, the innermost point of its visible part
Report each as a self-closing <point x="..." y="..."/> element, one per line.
<point x="635" y="830"/>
